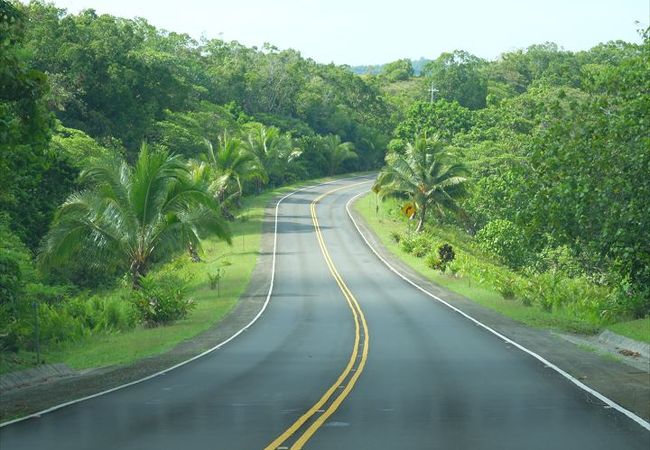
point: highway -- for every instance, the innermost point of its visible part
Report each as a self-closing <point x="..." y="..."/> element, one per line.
<point x="347" y="355"/>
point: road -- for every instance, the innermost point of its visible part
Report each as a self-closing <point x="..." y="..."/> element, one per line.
<point x="346" y="356"/>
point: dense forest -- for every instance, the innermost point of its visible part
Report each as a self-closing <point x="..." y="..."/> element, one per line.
<point x="555" y="143"/>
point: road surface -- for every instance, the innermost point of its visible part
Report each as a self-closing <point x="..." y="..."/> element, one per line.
<point x="346" y="356"/>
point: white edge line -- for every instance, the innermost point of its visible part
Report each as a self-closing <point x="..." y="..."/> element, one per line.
<point x="216" y="347"/>
<point x="540" y="358"/>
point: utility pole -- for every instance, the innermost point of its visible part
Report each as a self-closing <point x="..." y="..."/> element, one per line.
<point x="432" y="90"/>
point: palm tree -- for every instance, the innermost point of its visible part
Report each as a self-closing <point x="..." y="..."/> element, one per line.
<point x="336" y="152"/>
<point x="426" y="174"/>
<point x="230" y="165"/>
<point x="274" y="152"/>
<point x="133" y="215"/>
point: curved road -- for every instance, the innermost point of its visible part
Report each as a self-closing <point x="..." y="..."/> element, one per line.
<point x="346" y="356"/>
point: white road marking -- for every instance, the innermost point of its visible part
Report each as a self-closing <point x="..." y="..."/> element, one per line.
<point x="216" y="347"/>
<point x="544" y="361"/>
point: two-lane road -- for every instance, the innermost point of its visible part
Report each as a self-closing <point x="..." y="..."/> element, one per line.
<point x="419" y="377"/>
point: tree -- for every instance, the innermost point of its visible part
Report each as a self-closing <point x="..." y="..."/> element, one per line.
<point x="457" y="76"/>
<point x="133" y="215"/>
<point x="274" y="152"/>
<point x="229" y="165"/>
<point x="337" y="152"/>
<point x="399" y="70"/>
<point x="426" y="174"/>
<point x="441" y="118"/>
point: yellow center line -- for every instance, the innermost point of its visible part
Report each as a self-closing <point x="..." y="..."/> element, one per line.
<point x="359" y="321"/>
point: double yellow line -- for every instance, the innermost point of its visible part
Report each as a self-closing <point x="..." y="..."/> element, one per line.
<point x="328" y="403"/>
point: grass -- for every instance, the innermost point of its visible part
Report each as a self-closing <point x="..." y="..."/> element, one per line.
<point x="121" y="348"/>
<point x="384" y="224"/>
<point x="636" y="329"/>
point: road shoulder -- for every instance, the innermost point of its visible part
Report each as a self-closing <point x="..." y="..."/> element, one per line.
<point x="46" y="393"/>
<point x="624" y="384"/>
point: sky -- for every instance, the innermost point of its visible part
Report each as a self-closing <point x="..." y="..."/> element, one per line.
<point x="359" y="32"/>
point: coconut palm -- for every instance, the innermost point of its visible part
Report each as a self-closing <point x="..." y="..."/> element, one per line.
<point x="426" y="174"/>
<point x="337" y="152"/>
<point x="230" y="165"/>
<point x="133" y="215"/>
<point x="274" y="152"/>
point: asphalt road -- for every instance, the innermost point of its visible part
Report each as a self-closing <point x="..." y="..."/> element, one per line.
<point x="431" y="379"/>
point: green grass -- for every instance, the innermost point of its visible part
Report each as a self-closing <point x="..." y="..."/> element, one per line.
<point x="119" y="348"/>
<point x="636" y="329"/>
<point x="383" y="224"/>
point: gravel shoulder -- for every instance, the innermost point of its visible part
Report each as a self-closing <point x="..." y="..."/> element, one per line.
<point x="596" y="362"/>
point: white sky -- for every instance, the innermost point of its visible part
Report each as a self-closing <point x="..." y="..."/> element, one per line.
<point x="373" y="32"/>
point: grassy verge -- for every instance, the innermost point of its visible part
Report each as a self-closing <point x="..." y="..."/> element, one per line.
<point x="386" y="225"/>
<point x="636" y="329"/>
<point x="124" y="347"/>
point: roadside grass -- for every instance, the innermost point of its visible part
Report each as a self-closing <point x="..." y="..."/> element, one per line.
<point x="381" y="220"/>
<point x="125" y="347"/>
<point x="636" y="329"/>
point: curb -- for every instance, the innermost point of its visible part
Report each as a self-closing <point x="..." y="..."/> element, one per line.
<point x="624" y="343"/>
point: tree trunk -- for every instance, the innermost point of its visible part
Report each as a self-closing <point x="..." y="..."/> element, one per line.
<point x="194" y="255"/>
<point x="423" y="213"/>
<point x="138" y="270"/>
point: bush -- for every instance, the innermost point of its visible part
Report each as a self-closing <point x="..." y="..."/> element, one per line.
<point x="433" y="261"/>
<point x="162" y="299"/>
<point x="504" y="240"/>
<point x="406" y="244"/>
<point x="395" y="236"/>
<point x="558" y="259"/>
<point x="626" y="301"/>
<point x="420" y="250"/>
<point x="446" y="254"/>
<point x="506" y="285"/>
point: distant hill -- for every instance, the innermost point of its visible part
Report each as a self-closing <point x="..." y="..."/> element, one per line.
<point x="418" y="65"/>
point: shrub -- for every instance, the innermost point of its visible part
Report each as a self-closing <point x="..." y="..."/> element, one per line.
<point x="446" y="254"/>
<point x="504" y="240"/>
<point x="558" y="259"/>
<point x="433" y="261"/>
<point x="162" y="299"/>
<point x="406" y="244"/>
<point x="505" y="285"/>
<point x="626" y="301"/>
<point x="215" y="278"/>
<point x="395" y="236"/>
<point x="420" y="250"/>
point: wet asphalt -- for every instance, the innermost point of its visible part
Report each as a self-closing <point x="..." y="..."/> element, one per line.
<point x="433" y="379"/>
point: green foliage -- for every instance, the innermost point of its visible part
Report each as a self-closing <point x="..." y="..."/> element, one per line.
<point x="432" y="261"/>
<point x="442" y="118"/>
<point x="504" y="240"/>
<point x="162" y="299"/>
<point x="505" y="284"/>
<point x="446" y="254"/>
<point x="133" y="215"/>
<point x="336" y="153"/>
<point x="15" y="267"/>
<point x="274" y="153"/>
<point x="427" y="175"/>
<point x="457" y="77"/>
<point x="399" y="70"/>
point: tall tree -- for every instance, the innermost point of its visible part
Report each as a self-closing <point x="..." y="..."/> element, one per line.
<point x="457" y="76"/>
<point x="133" y="215"/>
<point x="426" y="174"/>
